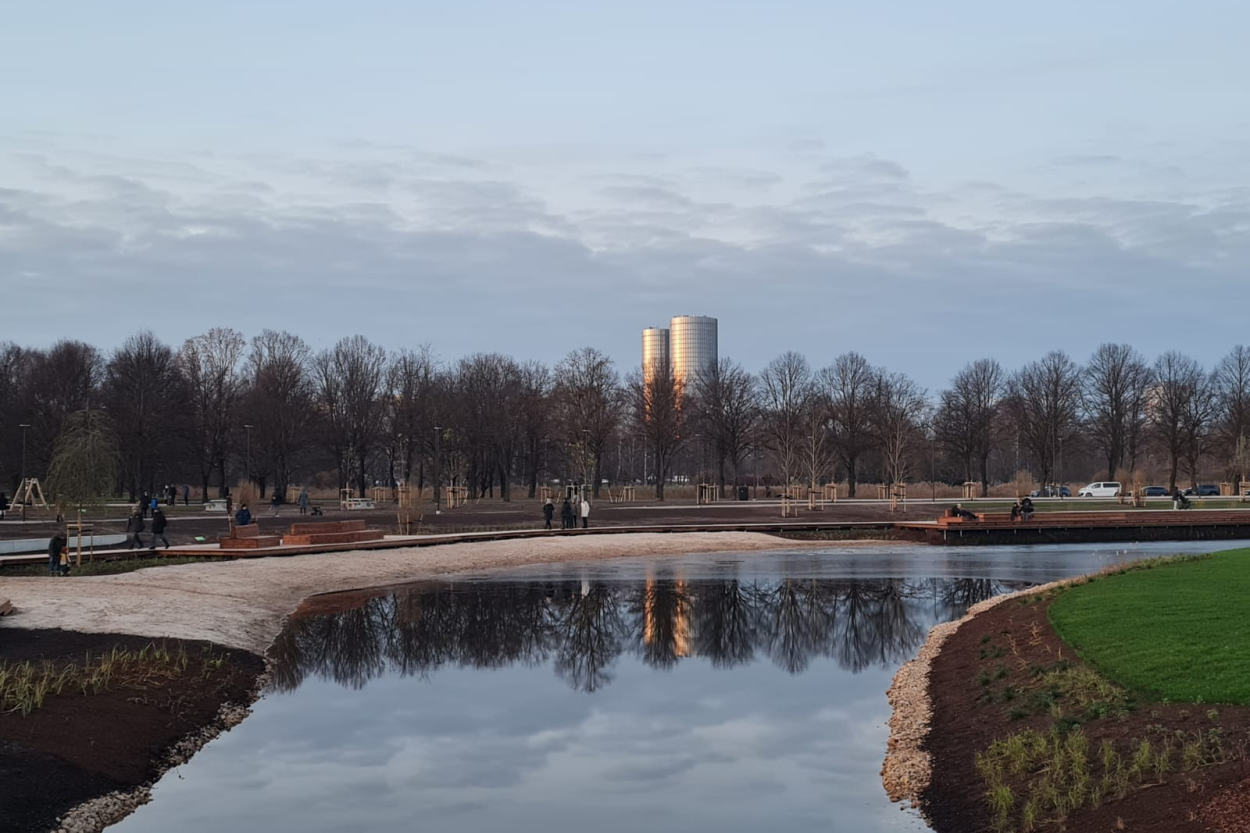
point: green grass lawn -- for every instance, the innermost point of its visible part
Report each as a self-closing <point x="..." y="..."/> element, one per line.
<point x="1178" y="631"/>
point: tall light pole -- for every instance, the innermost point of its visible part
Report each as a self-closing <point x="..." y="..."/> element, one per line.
<point x="933" y="471"/>
<point x="24" y="426"/>
<point x="438" y="472"/>
<point x="248" y="428"/>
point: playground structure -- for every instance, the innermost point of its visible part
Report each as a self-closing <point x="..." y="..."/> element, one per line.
<point x="29" y="493"/>
<point x="627" y="494"/>
<point x="346" y="501"/>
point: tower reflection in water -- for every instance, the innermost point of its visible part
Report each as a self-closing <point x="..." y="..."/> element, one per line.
<point x="581" y="627"/>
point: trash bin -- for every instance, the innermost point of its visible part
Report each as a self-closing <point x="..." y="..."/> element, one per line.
<point x="744" y="493"/>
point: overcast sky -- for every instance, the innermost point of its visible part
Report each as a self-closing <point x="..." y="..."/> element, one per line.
<point x="927" y="183"/>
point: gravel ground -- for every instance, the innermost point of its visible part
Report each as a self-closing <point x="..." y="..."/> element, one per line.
<point x="242" y="604"/>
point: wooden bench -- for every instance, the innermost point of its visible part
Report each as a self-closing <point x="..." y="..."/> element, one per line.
<point x="330" y="532"/>
<point x="249" y="538"/>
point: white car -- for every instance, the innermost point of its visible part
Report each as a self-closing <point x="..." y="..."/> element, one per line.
<point x="1107" y="488"/>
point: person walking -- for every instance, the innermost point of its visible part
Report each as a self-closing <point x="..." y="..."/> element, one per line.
<point x="145" y="500"/>
<point x="186" y="495"/>
<point x="56" y="552"/>
<point x="566" y="515"/>
<point x="243" y="517"/>
<point x="134" y="526"/>
<point x="158" y="527"/>
<point x="585" y="513"/>
<point x="275" y="502"/>
<point x="154" y="504"/>
<point x="549" y="512"/>
<point x="4" y="505"/>
<point x="303" y="500"/>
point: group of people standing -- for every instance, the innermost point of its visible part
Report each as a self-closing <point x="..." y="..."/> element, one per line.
<point x="568" y="513"/>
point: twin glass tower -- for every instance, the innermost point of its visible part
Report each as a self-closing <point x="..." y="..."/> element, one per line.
<point x="688" y="346"/>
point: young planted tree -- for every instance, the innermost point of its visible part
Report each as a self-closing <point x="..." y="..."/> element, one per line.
<point x="967" y="416"/>
<point x="1113" y="397"/>
<point x="786" y="391"/>
<point x="657" y="416"/>
<point x="849" y="387"/>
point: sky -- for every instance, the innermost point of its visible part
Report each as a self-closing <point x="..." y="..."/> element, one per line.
<point x="927" y="184"/>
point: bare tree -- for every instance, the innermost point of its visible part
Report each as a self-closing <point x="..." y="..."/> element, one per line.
<point x="849" y="387"/>
<point x="279" y="402"/>
<point x="1179" y="382"/>
<point x="210" y="364"/>
<point x="725" y="403"/>
<point x="899" y="409"/>
<point x="657" y="417"/>
<point x="785" y="395"/>
<point x="488" y="393"/>
<point x="1044" y="398"/>
<point x="1113" y="397"/>
<point x="966" y="418"/>
<point x="588" y="407"/>
<point x="55" y="384"/>
<point x="350" y="379"/>
<point x="817" y="451"/>
<point x="1232" y="422"/>
<point x="143" y="395"/>
<point x="535" y="413"/>
<point x="414" y="388"/>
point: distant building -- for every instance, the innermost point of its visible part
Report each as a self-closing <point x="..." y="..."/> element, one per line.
<point x="692" y="346"/>
<point x="687" y="347"/>
<point x="655" y="354"/>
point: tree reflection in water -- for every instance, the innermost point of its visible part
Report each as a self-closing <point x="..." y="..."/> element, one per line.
<point x="581" y="627"/>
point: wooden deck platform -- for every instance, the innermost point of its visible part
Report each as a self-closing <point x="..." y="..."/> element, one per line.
<point x="1131" y="525"/>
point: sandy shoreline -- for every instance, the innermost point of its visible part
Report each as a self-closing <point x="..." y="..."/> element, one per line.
<point x="243" y="604"/>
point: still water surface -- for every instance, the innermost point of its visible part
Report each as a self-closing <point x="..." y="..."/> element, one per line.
<point x="739" y="692"/>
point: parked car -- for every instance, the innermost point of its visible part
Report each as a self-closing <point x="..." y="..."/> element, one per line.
<point x="1051" y="491"/>
<point x="1156" y="491"/>
<point x="1105" y="488"/>
<point x="1203" y="490"/>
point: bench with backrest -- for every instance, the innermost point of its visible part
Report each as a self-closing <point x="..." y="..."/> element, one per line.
<point x="248" y="538"/>
<point x="330" y="532"/>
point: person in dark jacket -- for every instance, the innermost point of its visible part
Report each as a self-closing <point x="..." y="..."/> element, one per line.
<point x="566" y="515"/>
<point x="134" y="526"/>
<point x="275" y="502"/>
<point x="1027" y="509"/>
<point x="303" y="500"/>
<point x="549" y="512"/>
<point x="4" y="505"/>
<point x="145" y="501"/>
<point x="56" y="547"/>
<point x="243" y="517"/>
<point x="186" y="495"/>
<point x="158" y="527"/>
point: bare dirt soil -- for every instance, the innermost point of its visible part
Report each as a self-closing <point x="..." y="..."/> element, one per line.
<point x="78" y="747"/>
<point x="987" y="683"/>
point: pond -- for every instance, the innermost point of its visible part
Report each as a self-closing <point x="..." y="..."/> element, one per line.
<point x="737" y="692"/>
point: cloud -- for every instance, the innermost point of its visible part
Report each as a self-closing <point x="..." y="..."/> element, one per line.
<point x="410" y="246"/>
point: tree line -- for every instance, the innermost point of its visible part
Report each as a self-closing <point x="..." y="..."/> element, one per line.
<point x="220" y="408"/>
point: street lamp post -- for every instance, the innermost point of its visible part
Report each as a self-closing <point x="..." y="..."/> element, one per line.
<point x="248" y="427"/>
<point x="933" y="470"/>
<point x="438" y="472"/>
<point x="25" y="491"/>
